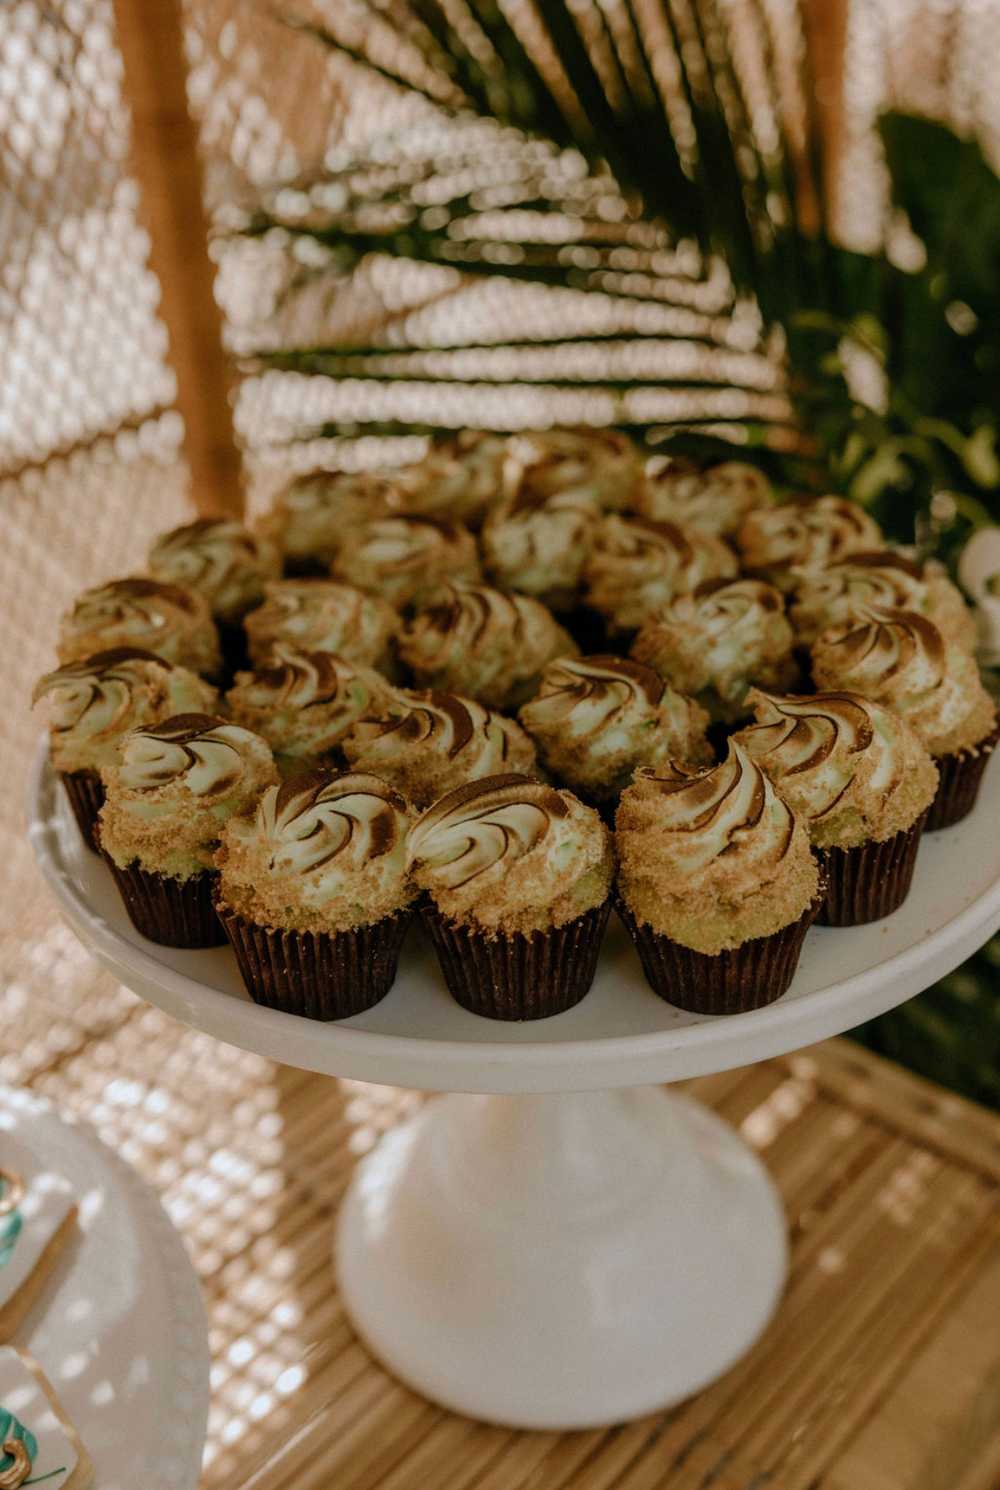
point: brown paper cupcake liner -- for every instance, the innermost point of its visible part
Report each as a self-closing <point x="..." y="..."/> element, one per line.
<point x="172" y="912"/>
<point x="959" y="778"/>
<point x="519" y="976"/>
<point x="870" y="881"/>
<point x="730" y="982"/>
<point x="319" y="975"/>
<point x="85" y="791"/>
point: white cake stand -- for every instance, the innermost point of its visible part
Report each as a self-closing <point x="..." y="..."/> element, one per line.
<point x="571" y="1247"/>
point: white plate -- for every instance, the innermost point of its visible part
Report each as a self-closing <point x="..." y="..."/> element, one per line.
<point x="620" y="1035"/>
<point x="120" y="1330"/>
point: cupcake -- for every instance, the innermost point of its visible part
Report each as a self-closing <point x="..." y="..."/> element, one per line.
<point x="310" y="517"/>
<point x="539" y="544"/>
<point x="714" y="500"/>
<point x="304" y="704"/>
<point x="315" y="615"/>
<point x="459" y="478"/>
<point x="489" y="644"/>
<point x="314" y="895"/>
<point x="600" y="465"/>
<point x="170" y="620"/>
<point x="900" y="659"/>
<point x="95" y="702"/>
<point x="595" y="719"/>
<point x="637" y="567"/>
<point x="426" y="744"/>
<point x="719" y="640"/>
<point x="226" y="564"/>
<point x="167" y="799"/>
<point x="830" y="595"/>
<point x="404" y="559"/>
<point x="861" y="781"/>
<point x="812" y="531"/>
<point x="717" y="883"/>
<point x="518" y="877"/>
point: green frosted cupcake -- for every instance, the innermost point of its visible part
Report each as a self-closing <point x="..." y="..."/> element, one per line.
<point x="861" y="780"/>
<point x="428" y="743"/>
<point x="314" y="615"/>
<point x="518" y="877"/>
<point x="714" y="499"/>
<point x="488" y="644"/>
<point x="596" y="719"/>
<point x="167" y="800"/>
<point x="95" y="702"/>
<point x="305" y="703"/>
<point x="314" y="894"/>
<point x="173" y="622"/>
<point x="636" y="567"/>
<point x="715" y="643"/>
<point x="717" y="884"/>
<point x="404" y="558"/>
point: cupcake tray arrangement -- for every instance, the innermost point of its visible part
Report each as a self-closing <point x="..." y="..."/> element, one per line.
<point x="568" y="1250"/>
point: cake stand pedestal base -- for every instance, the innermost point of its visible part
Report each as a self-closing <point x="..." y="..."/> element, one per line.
<point x="561" y="1261"/>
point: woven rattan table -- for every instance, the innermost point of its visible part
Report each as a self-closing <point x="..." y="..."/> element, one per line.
<point x="880" y="1372"/>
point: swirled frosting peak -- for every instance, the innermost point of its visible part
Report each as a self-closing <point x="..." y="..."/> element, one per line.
<point x="427" y="743"/>
<point x="713" y="858"/>
<point x="460" y="477"/>
<point x="167" y="619"/>
<point x="96" y="700"/>
<point x="812" y="531"/>
<point x="175" y="785"/>
<point x="901" y="659"/>
<point x="201" y="751"/>
<point x="854" y="770"/>
<point x="637" y="566"/>
<point x="304" y="703"/>
<point x="715" y="500"/>
<point x="829" y="595"/>
<point x="602" y="465"/>
<point x="510" y="853"/>
<point x="310" y="517"/>
<point x="220" y="559"/>
<point x="322" y="616"/>
<point x="485" y="643"/>
<point x="715" y="642"/>
<point x="595" y="719"/>
<point x="403" y="557"/>
<point x="538" y="543"/>
<point x="324" y="851"/>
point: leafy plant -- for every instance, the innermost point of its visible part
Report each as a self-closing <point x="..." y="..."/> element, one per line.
<point x="646" y="159"/>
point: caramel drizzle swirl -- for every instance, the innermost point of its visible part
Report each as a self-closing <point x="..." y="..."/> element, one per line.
<point x="318" y="815"/>
<point x="189" y="735"/>
<point x="303" y="680"/>
<point x="482" y="823"/>
<point x="150" y="599"/>
<point x="614" y="682"/>
<point x="701" y="801"/>
<point x="432" y="717"/>
<point x="807" y="730"/>
<point x="469" y="610"/>
<point x="96" y="672"/>
<point x="888" y="642"/>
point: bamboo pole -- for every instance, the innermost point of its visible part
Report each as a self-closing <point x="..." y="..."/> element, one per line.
<point x="165" y="162"/>
<point x="825" y="27"/>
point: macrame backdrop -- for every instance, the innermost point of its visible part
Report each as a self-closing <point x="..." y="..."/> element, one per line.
<point x="93" y="456"/>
